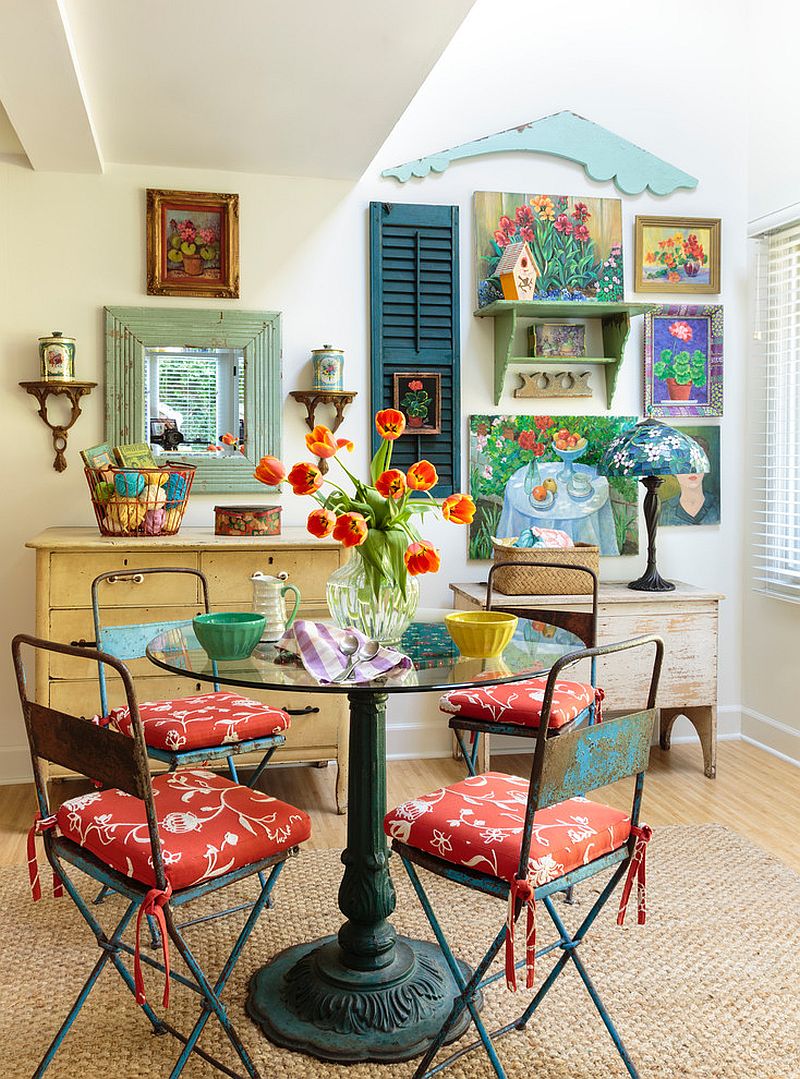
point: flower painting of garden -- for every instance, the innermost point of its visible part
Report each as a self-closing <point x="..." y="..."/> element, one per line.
<point x="683" y="360"/>
<point x="575" y="243"/>
<point x="528" y="471"/>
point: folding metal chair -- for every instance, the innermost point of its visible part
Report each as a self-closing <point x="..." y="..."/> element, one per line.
<point x="521" y="841"/>
<point x="214" y="726"/>
<point x="515" y="709"/>
<point x="201" y="833"/>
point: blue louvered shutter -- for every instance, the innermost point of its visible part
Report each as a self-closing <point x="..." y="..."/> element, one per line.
<point x="415" y="322"/>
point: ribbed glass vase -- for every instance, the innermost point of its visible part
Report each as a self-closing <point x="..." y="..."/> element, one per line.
<point x="378" y="610"/>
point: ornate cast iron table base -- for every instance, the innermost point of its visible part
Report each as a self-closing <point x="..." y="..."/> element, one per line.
<point x="365" y="994"/>
<point x="307" y="1000"/>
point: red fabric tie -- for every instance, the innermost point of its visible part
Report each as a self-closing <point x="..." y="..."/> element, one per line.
<point x="40" y="825"/>
<point x="599" y="697"/>
<point x="636" y="869"/>
<point x="524" y="891"/>
<point x="154" y="903"/>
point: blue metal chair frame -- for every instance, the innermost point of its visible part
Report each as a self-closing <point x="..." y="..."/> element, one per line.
<point x="570" y="764"/>
<point x="121" y="761"/>
<point x="582" y="623"/>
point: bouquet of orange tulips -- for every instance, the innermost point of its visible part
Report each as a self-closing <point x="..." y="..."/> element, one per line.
<point x="378" y="518"/>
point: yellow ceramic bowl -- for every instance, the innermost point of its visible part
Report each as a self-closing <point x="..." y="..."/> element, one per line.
<point x="481" y="634"/>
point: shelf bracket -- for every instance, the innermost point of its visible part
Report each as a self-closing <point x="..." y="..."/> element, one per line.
<point x="312" y="399"/>
<point x="41" y="390"/>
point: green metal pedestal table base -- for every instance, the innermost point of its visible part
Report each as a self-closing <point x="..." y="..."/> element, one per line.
<point x="308" y="1000"/>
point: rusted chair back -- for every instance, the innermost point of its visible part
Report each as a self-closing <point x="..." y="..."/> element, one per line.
<point x="582" y="623"/>
<point x="98" y="753"/>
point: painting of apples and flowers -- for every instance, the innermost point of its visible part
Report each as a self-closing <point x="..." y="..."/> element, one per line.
<point x="543" y="471"/>
<point x="575" y="243"/>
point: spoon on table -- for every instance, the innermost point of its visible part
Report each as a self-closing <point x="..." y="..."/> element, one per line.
<point x="349" y="649"/>
<point x="369" y="651"/>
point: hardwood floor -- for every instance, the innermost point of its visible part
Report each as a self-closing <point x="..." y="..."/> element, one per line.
<point x="754" y="793"/>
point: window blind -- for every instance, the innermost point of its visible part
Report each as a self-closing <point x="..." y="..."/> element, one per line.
<point x="187" y="385"/>
<point x="777" y="444"/>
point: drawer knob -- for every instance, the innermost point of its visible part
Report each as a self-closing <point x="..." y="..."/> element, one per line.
<point x="132" y="578"/>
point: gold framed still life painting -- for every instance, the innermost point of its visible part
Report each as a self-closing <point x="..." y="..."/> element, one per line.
<point x="192" y="244"/>
<point x="677" y="254"/>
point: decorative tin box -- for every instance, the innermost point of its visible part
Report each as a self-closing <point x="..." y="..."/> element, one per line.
<point x="57" y="357"/>
<point x="247" y="520"/>
<point x="328" y="364"/>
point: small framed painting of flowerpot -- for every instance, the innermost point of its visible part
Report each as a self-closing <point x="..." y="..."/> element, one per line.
<point x="192" y="244"/>
<point x="418" y="395"/>
<point x="683" y="360"/>
<point x="677" y="254"/>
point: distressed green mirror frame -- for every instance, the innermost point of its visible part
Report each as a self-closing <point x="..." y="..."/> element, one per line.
<point x="132" y="330"/>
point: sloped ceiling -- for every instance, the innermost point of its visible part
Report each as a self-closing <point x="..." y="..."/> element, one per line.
<point x="304" y="88"/>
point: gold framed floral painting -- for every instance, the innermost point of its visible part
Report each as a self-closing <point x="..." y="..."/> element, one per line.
<point x="192" y="244"/>
<point x="677" y="254"/>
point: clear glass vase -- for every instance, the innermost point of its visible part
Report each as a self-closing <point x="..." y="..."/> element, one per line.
<point x="378" y="611"/>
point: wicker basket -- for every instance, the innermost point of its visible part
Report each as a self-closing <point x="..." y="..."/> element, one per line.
<point x="534" y="576"/>
<point x="140" y="501"/>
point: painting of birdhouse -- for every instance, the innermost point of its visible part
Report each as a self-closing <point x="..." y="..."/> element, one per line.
<point x="517" y="272"/>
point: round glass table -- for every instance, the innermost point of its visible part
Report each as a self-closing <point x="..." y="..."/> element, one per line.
<point x="366" y="993"/>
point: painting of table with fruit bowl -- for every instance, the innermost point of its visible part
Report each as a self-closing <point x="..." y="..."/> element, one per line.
<point x="683" y="360"/>
<point x="542" y="471"/>
<point x="575" y="243"/>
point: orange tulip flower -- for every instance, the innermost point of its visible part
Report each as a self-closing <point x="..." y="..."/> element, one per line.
<point x="270" y="471"/>
<point x="422" y="476"/>
<point x="320" y="522"/>
<point x="321" y="442"/>
<point x="421" y="557"/>
<point x="305" y="478"/>
<point x="350" y="529"/>
<point x="391" y="484"/>
<point x="390" y="423"/>
<point x="460" y="509"/>
<point x="228" y="439"/>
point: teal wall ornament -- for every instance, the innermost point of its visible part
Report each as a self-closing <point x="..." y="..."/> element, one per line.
<point x="604" y="155"/>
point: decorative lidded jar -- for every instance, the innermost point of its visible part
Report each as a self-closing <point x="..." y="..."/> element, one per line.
<point x="328" y="366"/>
<point x="57" y="357"/>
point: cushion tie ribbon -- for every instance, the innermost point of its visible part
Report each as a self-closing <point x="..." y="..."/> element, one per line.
<point x="599" y="697"/>
<point x="636" y="870"/>
<point x="153" y="904"/>
<point x="522" y="890"/>
<point x="40" y="825"/>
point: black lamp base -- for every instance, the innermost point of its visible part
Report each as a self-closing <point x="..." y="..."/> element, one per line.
<point x="651" y="580"/>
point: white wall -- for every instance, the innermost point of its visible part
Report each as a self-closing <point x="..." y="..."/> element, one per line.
<point x="72" y="244"/>
<point x="770" y="627"/>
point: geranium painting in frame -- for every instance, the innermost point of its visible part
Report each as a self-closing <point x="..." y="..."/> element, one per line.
<point x="192" y="244"/>
<point x="528" y="471"/>
<point x="677" y="254"/>
<point x="575" y="244"/>
<point x="418" y="395"/>
<point x="683" y="374"/>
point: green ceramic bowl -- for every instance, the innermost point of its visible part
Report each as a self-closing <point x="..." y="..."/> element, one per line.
<point x="229" y="634"/>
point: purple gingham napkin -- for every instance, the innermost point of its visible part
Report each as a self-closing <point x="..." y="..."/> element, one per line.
<point x="318" y="646"/>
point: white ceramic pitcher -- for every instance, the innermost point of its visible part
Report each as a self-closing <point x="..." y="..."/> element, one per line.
<point x="268" y="599"/>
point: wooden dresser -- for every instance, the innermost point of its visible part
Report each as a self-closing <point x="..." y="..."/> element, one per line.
<point x="68" y="559"/>
<point x="688" y="621"/>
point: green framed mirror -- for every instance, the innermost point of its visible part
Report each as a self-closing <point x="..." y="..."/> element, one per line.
<point x="180" y="379"/>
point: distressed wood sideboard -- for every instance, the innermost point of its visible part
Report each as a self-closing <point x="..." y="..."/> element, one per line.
<point x="688" y="621"/>
<point x="68" y="559"/>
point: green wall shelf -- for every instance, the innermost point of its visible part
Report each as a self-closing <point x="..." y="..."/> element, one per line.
<point x="616" y="326"/>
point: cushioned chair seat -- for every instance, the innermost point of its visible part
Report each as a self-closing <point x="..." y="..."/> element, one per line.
<point x="478" y="823"/>
<point x="519" y="702"/>
<point x="208" y="720"/>
<point x="207" y="825"/>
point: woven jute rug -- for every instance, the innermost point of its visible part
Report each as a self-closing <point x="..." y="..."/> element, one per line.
<point x="708" y="989"/>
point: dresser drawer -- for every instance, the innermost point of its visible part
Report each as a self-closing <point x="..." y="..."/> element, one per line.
<point x="72" y="573"/>
<point x="82" y="698"/>
<point x="75" y="624"/>
<point x="229" y="572"/>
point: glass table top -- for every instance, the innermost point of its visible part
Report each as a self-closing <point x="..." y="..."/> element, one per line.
<point x="436" y="662"/>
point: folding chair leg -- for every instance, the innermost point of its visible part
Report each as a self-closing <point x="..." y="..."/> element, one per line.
<point x="254" y="778"/>
<point x="612" y="1030"/>
<point x="212" y="1003"/>
<point x="469" y="755"/>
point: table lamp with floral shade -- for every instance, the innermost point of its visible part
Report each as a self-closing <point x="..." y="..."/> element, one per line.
<point x="649" y="451"/>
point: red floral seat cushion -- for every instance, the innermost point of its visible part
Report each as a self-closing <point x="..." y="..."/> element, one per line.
<point x="208" y="720"/>
<point x="520" y="702"/>
<point x="207" y="825"/>
<point x="478" y="823"/>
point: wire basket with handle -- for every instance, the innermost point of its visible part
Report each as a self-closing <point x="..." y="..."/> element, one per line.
<point x="140" y="501"/>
